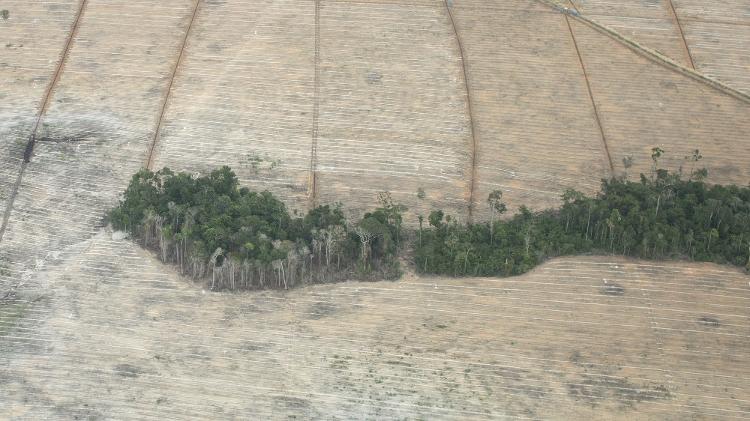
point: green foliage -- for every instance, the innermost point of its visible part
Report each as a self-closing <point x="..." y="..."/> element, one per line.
<point x="210" y="225"/>
<point x="663" y="217"/>
<point x="5" y="14"/>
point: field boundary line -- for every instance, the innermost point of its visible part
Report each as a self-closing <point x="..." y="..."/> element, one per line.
<point x="682" y="34"/>
<point x="591" y="94"/>
<point x="473" y="176"/>
<point x="649" y="53"/>
<point x="168" y="94"/>
<point x="29" y="150"/>
<point x="312" y="187"/>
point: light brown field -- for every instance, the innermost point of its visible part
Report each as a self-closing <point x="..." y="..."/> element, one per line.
<point x="712" y="37"/>
<point x="29" y="57"/>
<point x="116" y="336"/>
<point x="95" y="328"/>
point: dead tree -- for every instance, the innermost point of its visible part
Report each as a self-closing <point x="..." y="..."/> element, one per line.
<point x="365" y="238"/>
<point x="212" y="261"/>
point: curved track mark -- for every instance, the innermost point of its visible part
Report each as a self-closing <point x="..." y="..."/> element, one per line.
<point x="152" y="147"/>
<point x="471" y="115"/>
<point x="312" y="188"/>
<point x="29" y="150"/>
<point x="649" y="53"/>
<point x="591" y="97"/>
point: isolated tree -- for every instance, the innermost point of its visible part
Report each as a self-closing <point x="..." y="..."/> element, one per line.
<point x="392" y="212"/>
<point x="421" y="221"/>
<point x="612" y="221"/>
<point x="334" y="235"/>
<point x="212" y="261"/>
<point x="627" y="163"/>
<point x="420" y="195"/>
<point x="656" y="153"/>
<point x="436" y="218"/>
<point x="497" y="207"/>
<point x="365" y="238"/>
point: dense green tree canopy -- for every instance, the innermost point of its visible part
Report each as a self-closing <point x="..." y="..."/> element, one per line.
<point x="660" y="217"/>
<point x="207" y="222"/>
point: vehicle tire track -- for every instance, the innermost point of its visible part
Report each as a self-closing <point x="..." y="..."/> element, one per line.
<point x="29" y="150"/>
<point x="472" y="180"/>
<point x="313" y="182"/>
<point x="163" y="108"/>
<point x="648" y="53"/>
<point x="682" y="34"/>
<point x="591" y="94"/>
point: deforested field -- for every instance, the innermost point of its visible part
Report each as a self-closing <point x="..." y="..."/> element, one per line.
<point x="710" y="37"/>
<point x="322" y="101"/>
<point x="579" y="338"/>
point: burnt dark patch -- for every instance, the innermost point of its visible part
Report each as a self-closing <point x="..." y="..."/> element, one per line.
<point x="252" y="346"/>
<point x="709" y="321"/>
<point x="29" y="150"/>
<point x="710" y="284"/>
<point x="198" y="353"/>
<point x="128" y="370"/>
<point x="613" y="290"/>
<point x="290" y="402"/>
<point x="595" y="390"/>
<point x="61" y="139"/>
<point x="321" y="309"/>
<point x="79" y="411"/>
<point x="374" y="77"/>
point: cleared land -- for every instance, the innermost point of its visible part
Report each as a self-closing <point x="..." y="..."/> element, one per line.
<point x="642" y="104"/>
<point x="536" y="135"/>
<point x="243" y="96"/>
<point x="27" y="64"/>
<point x="393" y="111"/>
<point x="90" y="326"/>
<point x="96" y="132"/>
<point x="712" y="36"/>
<point x="599" y="338"/>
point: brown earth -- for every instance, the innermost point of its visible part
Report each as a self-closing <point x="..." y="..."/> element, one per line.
<point x="321" y="101"/>
<point x="117" y="336"/>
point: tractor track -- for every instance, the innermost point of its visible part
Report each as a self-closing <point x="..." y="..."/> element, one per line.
<point x="648" y="53"/>
<point x="29" y="149"/>
<point x="313" y="181"/>
<point x="682" y="34"/>
<point x="163" y="108"/>
<point x="472" y="180"/>
<point x="591" y="93"/>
